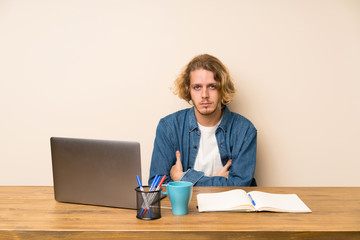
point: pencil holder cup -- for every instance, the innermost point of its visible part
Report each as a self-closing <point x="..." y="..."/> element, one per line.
<point x="148" y="203"/>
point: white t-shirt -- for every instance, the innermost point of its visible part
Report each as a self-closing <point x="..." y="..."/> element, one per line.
<point x="208" y="158"/>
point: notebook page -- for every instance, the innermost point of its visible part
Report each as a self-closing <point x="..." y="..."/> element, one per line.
<point x="223" y="201"/>
<point x="279" y="202"/>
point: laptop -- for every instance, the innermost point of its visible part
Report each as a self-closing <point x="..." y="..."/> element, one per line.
<point x="95" y="172"/>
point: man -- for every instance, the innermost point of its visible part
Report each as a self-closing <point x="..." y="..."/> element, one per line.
<point x="207" y="144"/>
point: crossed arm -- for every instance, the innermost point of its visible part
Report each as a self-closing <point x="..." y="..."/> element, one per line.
<point x="176" y="171"/>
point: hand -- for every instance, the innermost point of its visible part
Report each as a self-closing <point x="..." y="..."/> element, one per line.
<point x="176" y="170"/>
<point x="224" y="171"/>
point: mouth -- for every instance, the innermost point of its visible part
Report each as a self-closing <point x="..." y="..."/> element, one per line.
<point x="205" y="104"/>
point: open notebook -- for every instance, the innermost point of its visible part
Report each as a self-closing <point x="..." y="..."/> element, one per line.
<point x="239" y="201"/>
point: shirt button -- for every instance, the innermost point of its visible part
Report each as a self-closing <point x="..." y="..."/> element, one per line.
<point x="195" y="147"/>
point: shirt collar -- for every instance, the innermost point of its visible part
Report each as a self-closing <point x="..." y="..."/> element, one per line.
<point x="225" y="118"/>
<point x="192" y="120"/>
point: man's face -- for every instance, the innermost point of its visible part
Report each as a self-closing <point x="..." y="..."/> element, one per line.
<point x="204" y="93"/>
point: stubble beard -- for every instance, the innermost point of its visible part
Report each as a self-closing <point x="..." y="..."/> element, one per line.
<point x="205" y="111"/>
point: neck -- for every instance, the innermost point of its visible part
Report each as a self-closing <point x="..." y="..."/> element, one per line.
<point x="209" y="120"/>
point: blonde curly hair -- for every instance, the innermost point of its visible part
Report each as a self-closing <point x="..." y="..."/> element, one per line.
<point x="210" y="63"/>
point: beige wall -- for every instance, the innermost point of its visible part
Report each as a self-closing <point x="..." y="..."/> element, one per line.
<point x="103" y="69"/>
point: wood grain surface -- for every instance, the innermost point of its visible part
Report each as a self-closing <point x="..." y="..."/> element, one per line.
<point x="32" y="213"/>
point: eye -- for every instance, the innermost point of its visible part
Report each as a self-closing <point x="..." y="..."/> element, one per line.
<point x="196" y="87"/>
<point x="213" y="86"/>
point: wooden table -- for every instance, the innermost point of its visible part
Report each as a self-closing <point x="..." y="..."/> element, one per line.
<point x="32" y="213"/>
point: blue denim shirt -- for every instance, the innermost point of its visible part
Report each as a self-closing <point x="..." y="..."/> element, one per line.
<point x="236" y="139"/>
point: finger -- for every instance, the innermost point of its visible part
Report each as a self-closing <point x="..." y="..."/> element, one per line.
<point x="227" y="165"/>
<point x="178" y="163"/>
<point x="178" y="156"/>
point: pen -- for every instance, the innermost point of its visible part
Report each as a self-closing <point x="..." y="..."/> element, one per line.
<point x="155" y="182"/>
<point x="161" y="182"/>
<point x="252" y="200"/>
<point x="144" y="197"/>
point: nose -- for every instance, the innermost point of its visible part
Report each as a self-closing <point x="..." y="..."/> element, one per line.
<point x="205" y="93"/>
